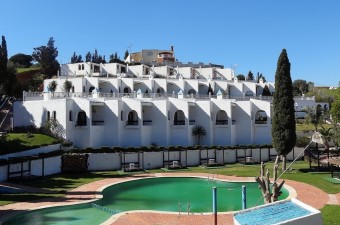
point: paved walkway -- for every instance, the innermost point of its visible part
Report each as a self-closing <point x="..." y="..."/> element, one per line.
<point x="304" y="192"/>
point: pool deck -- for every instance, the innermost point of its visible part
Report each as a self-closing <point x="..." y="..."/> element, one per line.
<point x="88" y="192"/>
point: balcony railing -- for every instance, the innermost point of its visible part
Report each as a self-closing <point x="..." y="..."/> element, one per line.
<point x="261" y="121"/>
<point x="221" y="122"/>
<point x="132" y="122"/>
<point x="97" y="122"/>
<point x="31" y="96"/>
<point x="179" y="122"/>
<point x="147" y="122"/>
<point x="81" y="123"/>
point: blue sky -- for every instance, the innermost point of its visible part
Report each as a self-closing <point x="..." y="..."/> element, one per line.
<point x="247" y="33"/>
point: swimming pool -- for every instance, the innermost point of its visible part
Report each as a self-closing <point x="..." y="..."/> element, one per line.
<point x="162" y="194"/>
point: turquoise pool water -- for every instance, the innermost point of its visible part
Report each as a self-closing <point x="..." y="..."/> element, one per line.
<point x="161" y="194"/>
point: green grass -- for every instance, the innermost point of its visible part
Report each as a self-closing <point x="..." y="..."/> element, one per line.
<point x="16" y="142"/>
<point x="329" y="213"/>
<point x="22" y="70"/>
<point x="302" y="127"/>
<point x="61" y="183"/>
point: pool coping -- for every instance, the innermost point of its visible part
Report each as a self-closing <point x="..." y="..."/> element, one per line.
<point x="98" y="186"/>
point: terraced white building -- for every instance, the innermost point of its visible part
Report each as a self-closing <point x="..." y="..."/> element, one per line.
<point x="139" y="105"/>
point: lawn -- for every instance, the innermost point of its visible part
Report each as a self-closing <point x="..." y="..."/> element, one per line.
<point x="303" y="127"/>
<point x="61" y="183"/>
<point x="16" y="142"/>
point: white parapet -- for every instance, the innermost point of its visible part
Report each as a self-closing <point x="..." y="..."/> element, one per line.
<point x="287" y="212"/>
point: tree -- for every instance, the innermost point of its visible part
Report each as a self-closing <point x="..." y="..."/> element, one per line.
<point x="241" y="77"/>
<point x="74" y="58"/>
<point x="335" y="110"/>
<point x="52" y="86"/>
<point x="67" y="85"/>
<point x="88" y="57"/>
<point x="8" y="82"/>
<point x="266" y="91"/>
<point x="46" y="56"/>
<point x="199" y="132"/>
<point x="300" y="87"/>
<point x="126" y="54"/>
<point x="21" y="60"/>
<point x="314" y="116"/>
<point x="250" y="76"/>
<point x="283" y="123"/>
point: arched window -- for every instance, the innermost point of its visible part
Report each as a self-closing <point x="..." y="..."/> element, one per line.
<point x="79" y="67"/>
<point x="221" y="118"/>
<point x="91" y="89"/>
<point x="179" y="118"/>
<point x="191" y="91"/>
<point x="249" y="94"/>
<point x="160" y="90"/>
<point x="70" y="115"/>
<point x="72" y="89"/>
<point x="81" y="119"/>
<point x="127" y="90"/>
<point x="132" y="118"/>
<point x="261" y="117"/>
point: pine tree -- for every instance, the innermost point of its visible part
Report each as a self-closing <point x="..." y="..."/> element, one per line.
<point x="47" y="57"/>
<point x="88" y="57"/>
<point x="74" y="58"/>
<point x="250" y="76"/>
<point x="283" y="123"/>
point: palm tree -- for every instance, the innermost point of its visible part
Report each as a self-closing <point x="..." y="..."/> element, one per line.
<point x="200" y="132"/>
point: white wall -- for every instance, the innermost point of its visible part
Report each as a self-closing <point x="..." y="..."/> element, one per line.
<point x="3" y="173"/>
<point x="104" y="161"/>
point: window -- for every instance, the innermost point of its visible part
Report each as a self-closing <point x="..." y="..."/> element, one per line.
<point x="191" y="91"/>
<point x="81" y="119"/>
<point x="261" y="117"/>
<point x="70" y="115"/>
<point x="249" y="94"/>
<point x="179" y="118"/>
<point x="221" y="118"/>
<point x="48" y="115"/>
<point x="79" y="67"/>
<point x="54" y="115"/>
<point x="132" y="118"/>
<point x="121" y="116"/>
<point x="82" y="66"/>
<point x="127" y="90"/>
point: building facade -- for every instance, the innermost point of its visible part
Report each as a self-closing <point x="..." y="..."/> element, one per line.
<point x="139" y="105"/>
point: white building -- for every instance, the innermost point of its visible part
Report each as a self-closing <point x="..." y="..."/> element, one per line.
<point x="118" y="105"/>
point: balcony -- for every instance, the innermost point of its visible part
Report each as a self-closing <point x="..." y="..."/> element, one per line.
<point x="132" y="123"/>
<point x="179" y="122"/>
<point x="81" y="123"/>
<point x="97" y="122"/>
<point x="221" y="122"/>
<point x="147" y="122"/>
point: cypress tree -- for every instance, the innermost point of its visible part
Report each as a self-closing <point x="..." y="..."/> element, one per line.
<point x="3" y="65"/>
<point x="283" y="123"/>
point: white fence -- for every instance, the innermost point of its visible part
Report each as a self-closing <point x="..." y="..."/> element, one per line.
<point x="146" y="160"/>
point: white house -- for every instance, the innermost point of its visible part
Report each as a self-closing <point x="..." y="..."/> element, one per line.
<point x="139" y="105"/>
